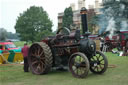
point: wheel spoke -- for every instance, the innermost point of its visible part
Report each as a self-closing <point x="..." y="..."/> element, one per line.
<point x="33" y="58"/>
<point x="42" y="61"/>
<point x="101" y="67"/>
<point x="97" y="68"/>
<point x="42" y="58"/>
<point x="82" y="70"/>
<point x="101" y="60"/>
<point x="94" y="67"/>
<point x="39" y="67"/>
<point x="35" y="62"/>
<point x="93" y="58"/>
<point x="83" y="64"/>
<point x="41" y="53"/>
<point x="77" y="72"/>
<point x="38" y="51"/>
<point x="33" y="54"/>
<point x="102" y="64"/>
<point x="98" y="57"/>
<point x="36" y="69"/>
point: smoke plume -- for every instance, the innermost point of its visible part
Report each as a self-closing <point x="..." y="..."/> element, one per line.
<point x="111" y="27"/>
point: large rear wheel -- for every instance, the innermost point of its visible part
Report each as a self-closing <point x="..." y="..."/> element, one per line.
<point x="79" y="65"/>
<point x="40" y="58"/>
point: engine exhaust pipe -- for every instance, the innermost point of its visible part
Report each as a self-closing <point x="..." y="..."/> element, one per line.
<point x="83" y="13"/>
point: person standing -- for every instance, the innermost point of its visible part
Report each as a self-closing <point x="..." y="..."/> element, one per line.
<point x="24" y="51"/>
<point x="126" y="48"/>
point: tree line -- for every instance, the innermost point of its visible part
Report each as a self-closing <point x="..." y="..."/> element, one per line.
<point x="7" y="35"/>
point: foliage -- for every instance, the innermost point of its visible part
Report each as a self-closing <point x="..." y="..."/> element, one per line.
<point x="93" y="22"/>
<point x="92" y="19"/>
<point x="67" y="18"/>
<point x="117" y="9"/>
<point x="11" y="35"/>
<point x="3" y="34"/>
<point x="32" y="22"/>
<point x="44" y="34"/>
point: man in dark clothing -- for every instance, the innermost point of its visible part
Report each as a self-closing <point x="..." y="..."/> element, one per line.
<point x="24" y="51"/>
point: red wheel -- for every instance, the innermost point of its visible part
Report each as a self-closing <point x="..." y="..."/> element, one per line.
<point x="40" y="58"/>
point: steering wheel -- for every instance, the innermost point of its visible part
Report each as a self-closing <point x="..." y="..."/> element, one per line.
<point x="63" y="31"/>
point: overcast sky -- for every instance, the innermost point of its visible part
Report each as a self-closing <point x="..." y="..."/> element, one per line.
<point x="10" y="9"/>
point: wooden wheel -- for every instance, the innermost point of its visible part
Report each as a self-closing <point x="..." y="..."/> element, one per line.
<point x="40" y="58"/>
<point x="79" y="65"/>
<point x="98" y="63"/>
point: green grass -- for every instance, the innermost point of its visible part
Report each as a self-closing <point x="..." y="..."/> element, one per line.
<point x="14" y="75"/>
<point x="21" y="43"/>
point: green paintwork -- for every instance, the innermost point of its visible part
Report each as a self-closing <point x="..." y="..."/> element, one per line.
<point x="1" y="51"/>
<point x="17" y="50"/>
<point x="11" y="56"/>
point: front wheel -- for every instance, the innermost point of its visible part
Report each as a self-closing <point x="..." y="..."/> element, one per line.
<point x="98" y="63"/>
<point x="79" y="65"/>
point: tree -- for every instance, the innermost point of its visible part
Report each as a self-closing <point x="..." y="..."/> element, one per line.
<point x="67" y="18"/>
<point x="11" y="35"/>
<point x="118" y="10"/>
<point x="3" y="34"/>
<point x="92" y="20"/>
<point x="32" y="22"/>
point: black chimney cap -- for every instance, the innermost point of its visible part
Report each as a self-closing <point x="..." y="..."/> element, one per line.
<point x="83" y="9"/>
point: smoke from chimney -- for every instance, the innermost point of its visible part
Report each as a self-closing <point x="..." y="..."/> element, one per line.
<point x="111" y="27"/>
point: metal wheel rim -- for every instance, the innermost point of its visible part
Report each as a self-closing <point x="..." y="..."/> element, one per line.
<point x="99" y="64"/>
<point x="37" y="59"/>
<point x="78" y="71"/>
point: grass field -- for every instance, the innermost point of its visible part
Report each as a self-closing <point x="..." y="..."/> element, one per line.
<point x="21" y="43"/>
<point x="14" y="75"/>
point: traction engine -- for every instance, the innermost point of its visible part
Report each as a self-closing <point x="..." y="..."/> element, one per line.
<point x="68" y="49"/>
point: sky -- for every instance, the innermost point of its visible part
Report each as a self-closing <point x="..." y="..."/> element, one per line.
<point x="10" y="10"/>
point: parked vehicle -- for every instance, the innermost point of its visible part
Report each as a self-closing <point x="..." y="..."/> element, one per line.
<point x="8" y="46"/>
<point x="118" y="40"/>
<point x="10" y="53"/>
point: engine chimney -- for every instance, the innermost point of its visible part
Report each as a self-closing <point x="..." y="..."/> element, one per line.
<point x="83" y="13"/>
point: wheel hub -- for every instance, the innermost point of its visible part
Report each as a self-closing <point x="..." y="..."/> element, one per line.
<point x="38" y="57"/>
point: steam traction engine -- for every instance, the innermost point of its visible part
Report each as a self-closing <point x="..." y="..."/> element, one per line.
<point x="71" y="49"/>
<point x="118" y="40"/>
